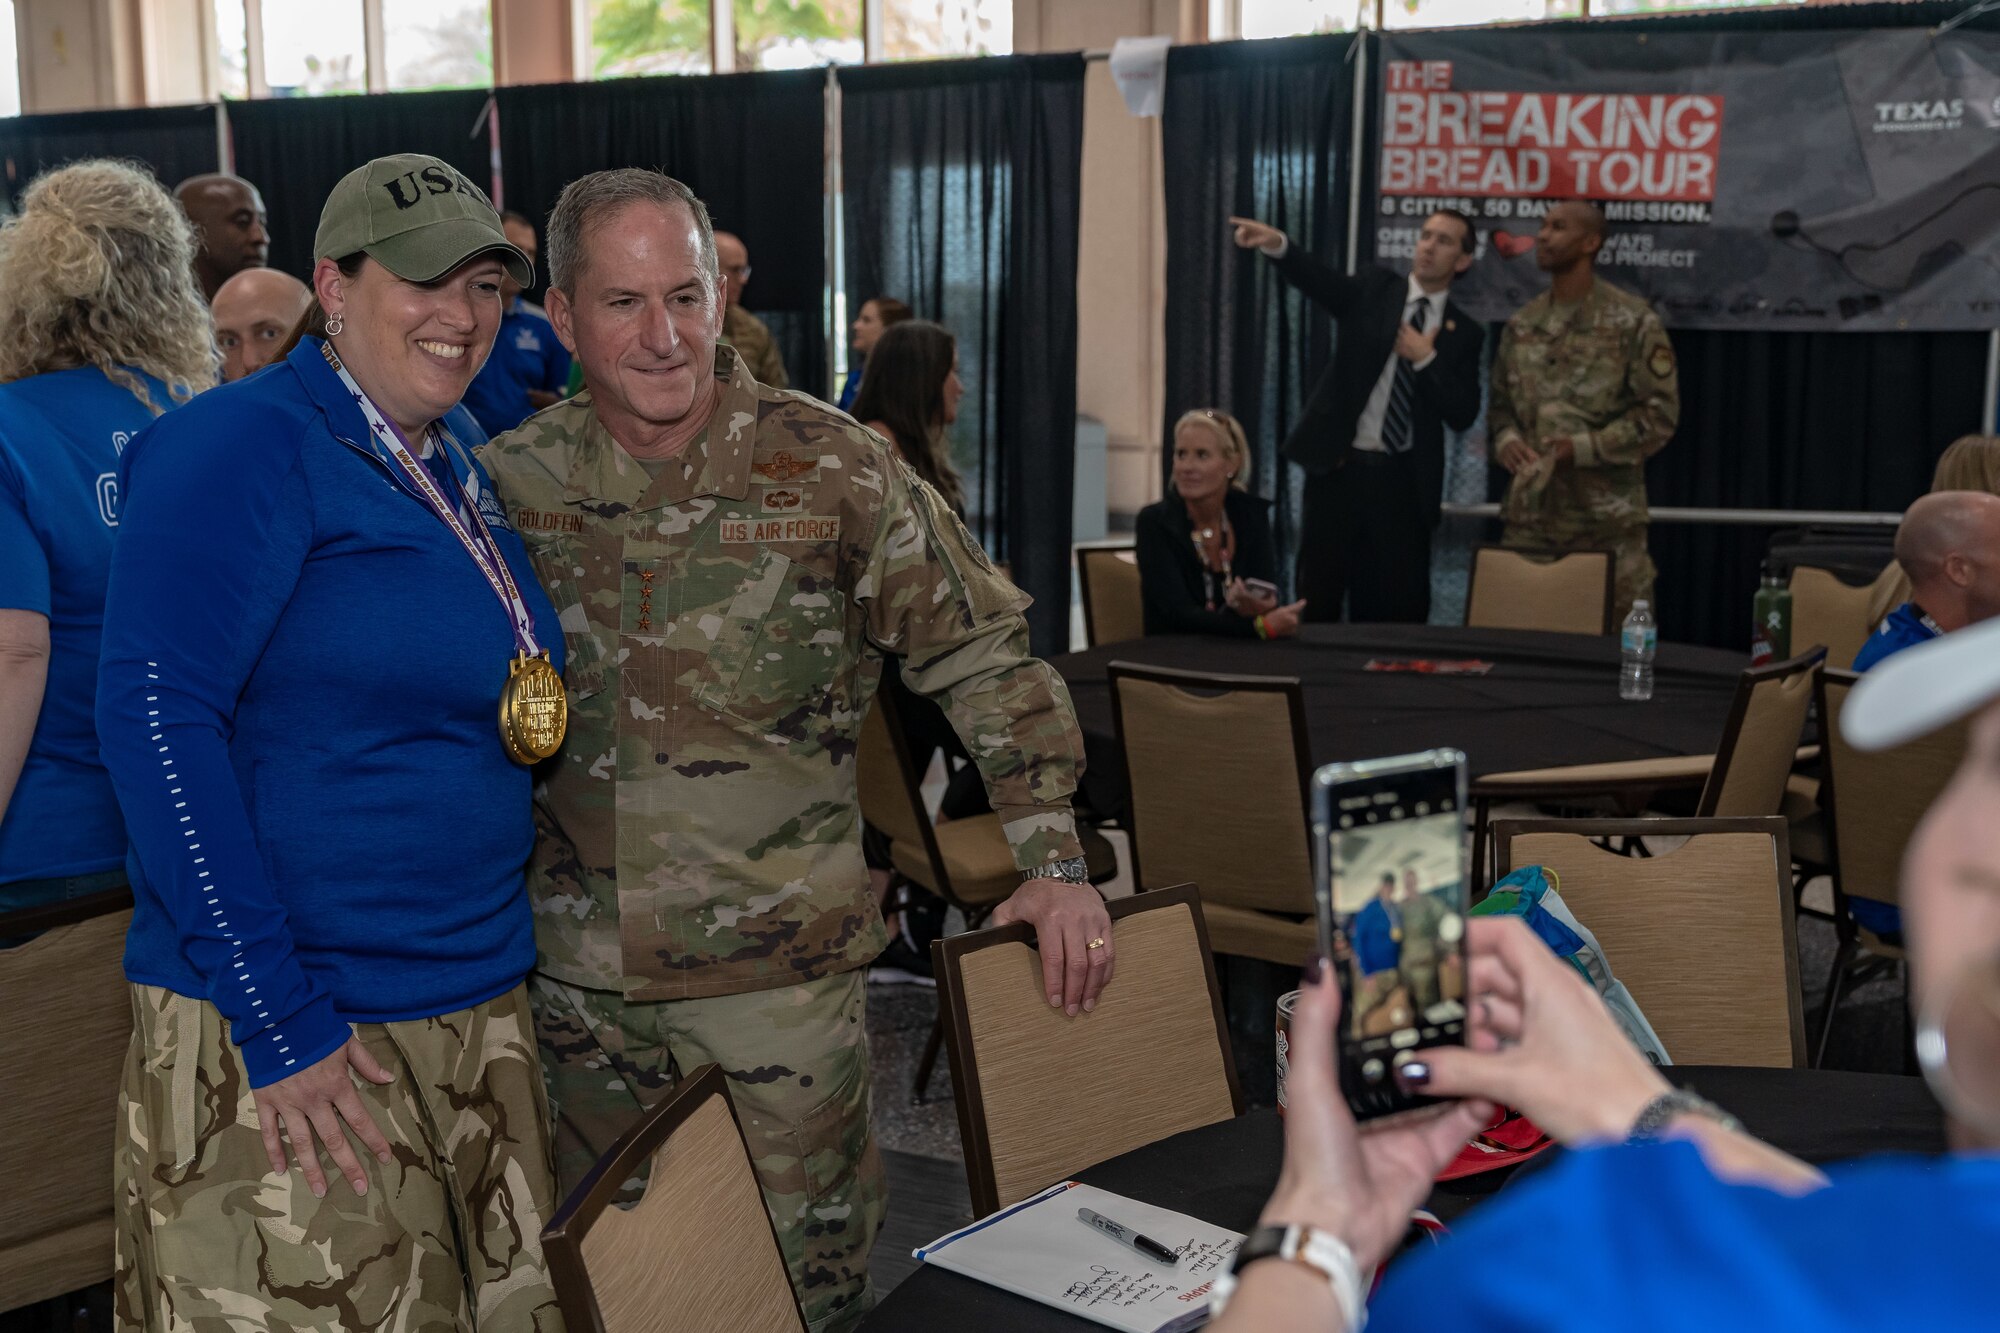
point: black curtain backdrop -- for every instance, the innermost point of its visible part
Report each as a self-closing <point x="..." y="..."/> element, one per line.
<point x="1252" y="129"/>
<point x="752" y="146"/>
<point x="962" y="184"/>
<point x="174" y="141"/>
<point x="296" y="149"/>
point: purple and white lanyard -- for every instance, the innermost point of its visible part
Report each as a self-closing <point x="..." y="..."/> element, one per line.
<point x="477" y="541"/>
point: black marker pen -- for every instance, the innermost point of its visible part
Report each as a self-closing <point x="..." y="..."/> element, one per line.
<point x="1145" y="1245"/>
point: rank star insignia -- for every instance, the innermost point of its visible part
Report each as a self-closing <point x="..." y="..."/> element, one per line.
<point x="783" y="466"/>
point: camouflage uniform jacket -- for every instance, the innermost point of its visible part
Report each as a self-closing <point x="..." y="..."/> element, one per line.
<point x="1601" y="372"/>
<point x="751" y="337"/>
<point x="726" y="621"/>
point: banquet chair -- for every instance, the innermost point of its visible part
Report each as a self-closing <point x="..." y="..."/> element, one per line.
<point x="1217" y="768"/>
<point x="1872" y="802"/>
<point x="1572" y="592"/>
<point x="966" y="862"/>
<point x="1748" y="775"/>
<point x="64" y="1052"/>
<point x="1826" y="610"/>
<point x="1703" y="936"/>
<point x="1114" y="606"/>
<point x="697" y="1252"/>
<point x="1040" y="1095"/>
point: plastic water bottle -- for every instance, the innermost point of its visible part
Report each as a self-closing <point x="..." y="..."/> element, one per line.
<point x="1637" y="642"/>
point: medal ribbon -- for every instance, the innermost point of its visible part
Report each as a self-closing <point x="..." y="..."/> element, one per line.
<point x="477" y="541"/>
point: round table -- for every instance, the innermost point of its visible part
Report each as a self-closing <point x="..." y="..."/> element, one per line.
<point x="1549" y="699"/>
<point x="1223" y="1173"/>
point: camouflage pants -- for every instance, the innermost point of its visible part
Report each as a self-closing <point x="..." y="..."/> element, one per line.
<point x="448" y="1236"/>
<point x="797" y="1062"/>
<point x="1634" y="572"/>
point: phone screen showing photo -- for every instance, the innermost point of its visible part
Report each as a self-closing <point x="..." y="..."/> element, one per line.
<point x="1395" y="850"/>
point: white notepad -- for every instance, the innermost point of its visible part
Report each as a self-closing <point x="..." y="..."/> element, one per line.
<point x="1040" y="1250"/>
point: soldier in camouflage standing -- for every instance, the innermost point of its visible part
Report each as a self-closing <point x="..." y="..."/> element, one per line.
<point x="1584" y="392"/>
<point x="730" y="564"/>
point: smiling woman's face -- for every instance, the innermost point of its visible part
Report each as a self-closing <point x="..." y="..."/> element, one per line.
<point x="414" y="346"/>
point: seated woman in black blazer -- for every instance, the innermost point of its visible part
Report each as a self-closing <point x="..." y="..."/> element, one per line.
<point x="1199" y="545"/>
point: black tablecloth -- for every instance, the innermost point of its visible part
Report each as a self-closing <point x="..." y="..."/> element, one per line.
<point x="1550" y="699"/>
<point x="1224" y="1173"/>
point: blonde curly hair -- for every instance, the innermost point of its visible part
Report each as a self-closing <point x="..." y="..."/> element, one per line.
<point x="98" y="270"/>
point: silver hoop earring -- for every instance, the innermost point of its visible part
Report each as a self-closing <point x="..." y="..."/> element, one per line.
<point x="334" y="326"/>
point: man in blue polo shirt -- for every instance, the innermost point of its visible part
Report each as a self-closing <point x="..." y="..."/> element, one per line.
<point x="1949" y="546"/>
<point x="529" y="366"/>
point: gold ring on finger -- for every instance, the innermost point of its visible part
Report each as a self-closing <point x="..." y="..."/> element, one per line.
<point x="1097" y="943"/>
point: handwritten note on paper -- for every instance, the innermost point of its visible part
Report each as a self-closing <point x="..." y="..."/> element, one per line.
<point x="1038" y="1249"/>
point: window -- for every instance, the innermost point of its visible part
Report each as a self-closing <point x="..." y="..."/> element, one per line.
<point x="312" y="47"/>
<point x="10" y="63"/>
<point x="648" y="37"/>
<point x="1471" y="13"/>
<point x="437" y="44"/>
<point x="306" y="48"/>
<point x="796" y="34"/>
<point x="930" y="29"/>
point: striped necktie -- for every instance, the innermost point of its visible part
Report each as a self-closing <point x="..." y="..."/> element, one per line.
<point x="1402" y="391"/>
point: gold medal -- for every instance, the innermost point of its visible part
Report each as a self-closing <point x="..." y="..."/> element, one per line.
<point x="534" y="711"/>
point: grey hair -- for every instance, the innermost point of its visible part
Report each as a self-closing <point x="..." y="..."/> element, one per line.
<point x="587" y="198"/>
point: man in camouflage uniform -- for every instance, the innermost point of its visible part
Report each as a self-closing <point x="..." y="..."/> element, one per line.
<point x="749" y="335"/>
<point x="730" y="563"/>
<point x="1584" y="391"/>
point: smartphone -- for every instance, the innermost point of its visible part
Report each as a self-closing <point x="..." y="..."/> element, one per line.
<point x="1389" y="882"/>
<point x="1262" y="588"/>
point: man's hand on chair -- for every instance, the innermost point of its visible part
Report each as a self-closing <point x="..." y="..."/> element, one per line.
<point x="1066" y="918"/>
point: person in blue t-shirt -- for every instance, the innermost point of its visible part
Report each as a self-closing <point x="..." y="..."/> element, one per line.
<point x="1667" y="1215"/>
<point x="528" y="368"/>
<point x="101" y="329"/>
<point x="327" y="670"/>
<point x="1949" y="547"/>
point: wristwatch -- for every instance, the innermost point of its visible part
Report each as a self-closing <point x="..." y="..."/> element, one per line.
<point x="1075" y="870"/>
<point x="1676" y="1101"/>
<point x="1321" y="1251"/>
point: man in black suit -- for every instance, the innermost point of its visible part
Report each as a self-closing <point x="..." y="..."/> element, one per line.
<point x="1405" y="366"/>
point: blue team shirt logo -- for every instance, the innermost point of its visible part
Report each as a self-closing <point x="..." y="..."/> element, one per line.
<point x="526" y="341"/>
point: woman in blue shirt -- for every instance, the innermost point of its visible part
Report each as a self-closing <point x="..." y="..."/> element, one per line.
<point x="317" y="612"/>
<point x="101" y="330"/>
<point x="1669" y="1216"/>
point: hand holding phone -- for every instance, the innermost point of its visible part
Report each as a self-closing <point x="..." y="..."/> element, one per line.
<point x="1253" y="597"/>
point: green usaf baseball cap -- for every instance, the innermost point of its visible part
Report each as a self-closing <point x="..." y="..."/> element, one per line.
<point x="418" y="217"/>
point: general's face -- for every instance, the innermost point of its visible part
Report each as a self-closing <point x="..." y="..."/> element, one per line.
<point x="254" y="314"/>
<point x="645" y="315"/>
<point x="1568" y="233"/>
<point x="867" y="328"/>
<point x="1951" y="874"/>
<point x="414" y="346"/>
<point x="230" y="216"/>
<point x="954" y="391"/>
<point x="1201" y="463"/>
<point x="523" y="236"/>
<point x="1444" y="250"/>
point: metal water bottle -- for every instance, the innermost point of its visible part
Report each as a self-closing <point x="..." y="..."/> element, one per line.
<point x="1771" y="632"/>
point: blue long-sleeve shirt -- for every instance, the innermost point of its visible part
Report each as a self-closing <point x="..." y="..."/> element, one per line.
<point x="297" y="704"/>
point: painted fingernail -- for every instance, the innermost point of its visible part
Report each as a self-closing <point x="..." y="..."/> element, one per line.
<point x="1414" y="1074"/>
<point x="1315" y="966"/>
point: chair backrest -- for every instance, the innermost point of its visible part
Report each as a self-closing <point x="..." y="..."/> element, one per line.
<point x="1703" y="936"/>
<point x="1829" y="612"/>
<point x="1041" y="1095"/>
<point x="1114" y="606"/>
<point x="1873" y="800"/>
<point x="890" y="789"/>
<point x="697" y="1252"/>
<point x="1217" y="767"/>
<point x="1760" y="742"/>
<point x="63" y="1053"/>
<point x="1568" y="591"/>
